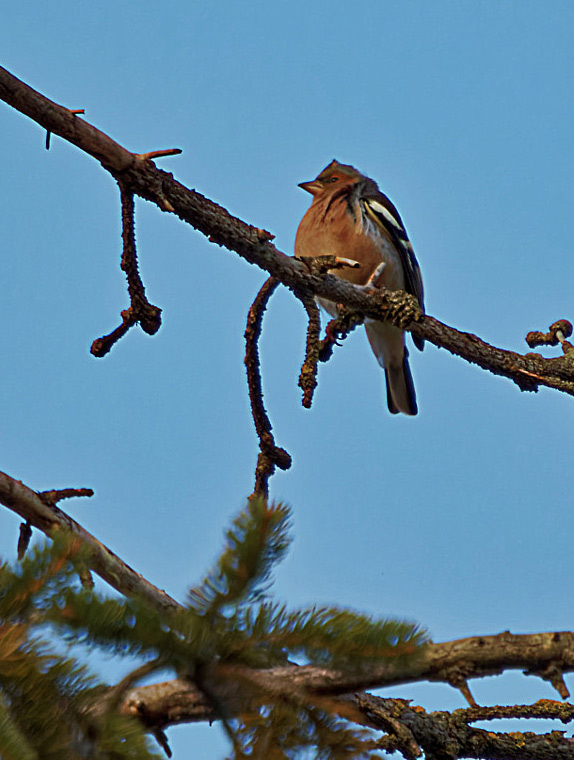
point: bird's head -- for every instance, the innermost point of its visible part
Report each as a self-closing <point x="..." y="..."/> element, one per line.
<point x="335" y="178"/>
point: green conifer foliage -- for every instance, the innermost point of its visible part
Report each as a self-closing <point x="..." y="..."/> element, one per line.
<point x="45" y="698"/>
<point x="51" y="707"/>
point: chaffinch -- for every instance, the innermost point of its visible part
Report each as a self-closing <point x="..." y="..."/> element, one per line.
<point x="351" y="218"/>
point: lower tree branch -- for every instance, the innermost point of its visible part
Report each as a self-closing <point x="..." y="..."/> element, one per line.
<point x="39" y="513"/>
<point x="448" y="736"/>
<point x="547" y="655"/>
<point x="409" y="729"/>
<point x="448" y="662"/>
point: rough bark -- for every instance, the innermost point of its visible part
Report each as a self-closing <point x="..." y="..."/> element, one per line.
<point x="139" y="175"/>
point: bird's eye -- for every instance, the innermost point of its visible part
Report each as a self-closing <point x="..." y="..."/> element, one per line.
<point x="332" y="179"/>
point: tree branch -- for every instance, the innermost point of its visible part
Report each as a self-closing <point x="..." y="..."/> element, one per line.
<point x="448" y="736"/>
<point x="270" y="455"/>
<point x="447" y="662"/>
<point x="140" y="176"/>
<point x="547" y="655"/>
<point x="40" y="513"/>
<point x="443" y="735"/>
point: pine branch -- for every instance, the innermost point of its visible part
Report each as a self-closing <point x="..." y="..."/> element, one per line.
<point x="256" y="542"/>
<point x="45" y="698"/>
<point x="13" y="743"/>
<point x="476" y="657"/>
<point x="206" y="645"/>
<point x="51" y="520"/>
<point x="270" y="455"/>
<point x="328" y="636"/>
<point x="547" y="655"/>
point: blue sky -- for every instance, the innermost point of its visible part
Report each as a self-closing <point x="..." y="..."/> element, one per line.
<point x="460" y="518"/>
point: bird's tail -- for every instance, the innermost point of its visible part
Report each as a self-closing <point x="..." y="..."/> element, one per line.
<point x="388" y="344"/>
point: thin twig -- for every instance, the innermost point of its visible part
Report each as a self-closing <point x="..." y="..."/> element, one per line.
<point x="308" y="376"/>
<point x="53" y="497"/>
<point x="158" y="154"/>
<point x="101" y="346"/>
<point x="140" y="309"/>
<point x="270" y="455"/>
<point x="545" y="709"/>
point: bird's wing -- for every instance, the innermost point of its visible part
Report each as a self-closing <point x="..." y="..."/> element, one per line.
<point x="380" y="209"/>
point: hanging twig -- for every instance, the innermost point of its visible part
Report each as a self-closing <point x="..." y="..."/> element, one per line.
<point x="308" y="376"/>
<point x="270" y="455"/>
<point x="140" y="310"/>
<point x="24" y="539"/>
<point x="54" y="496"/>
<point x="320" y="350"/>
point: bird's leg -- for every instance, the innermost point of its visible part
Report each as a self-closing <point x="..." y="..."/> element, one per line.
<point x="337" y="330"/>
<point x="372" y="281"/>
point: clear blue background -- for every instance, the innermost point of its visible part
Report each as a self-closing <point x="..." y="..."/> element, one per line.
<point x="460" y="518"/>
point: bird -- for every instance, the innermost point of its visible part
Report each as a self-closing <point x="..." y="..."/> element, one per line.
<point x="351" y="218"/>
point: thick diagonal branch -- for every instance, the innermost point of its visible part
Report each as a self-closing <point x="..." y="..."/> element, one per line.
<point x="253" y="244"/>
<point x="39" y="513"/>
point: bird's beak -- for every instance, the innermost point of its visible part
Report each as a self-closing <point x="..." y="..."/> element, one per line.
<point x="312" y="187"/>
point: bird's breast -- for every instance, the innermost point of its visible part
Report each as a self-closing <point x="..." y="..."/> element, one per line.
<point x="334" y="229"/>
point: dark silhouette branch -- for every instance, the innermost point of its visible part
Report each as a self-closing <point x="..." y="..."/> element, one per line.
<point x="148" y="315"/>
<point x="308" y="376"/>
<point x="144" y="179"/>
<point x="270" y="455"/>
<point x="140" y="310"/>
<point x="411" y="730"/>
<point x="101" y="346"/>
